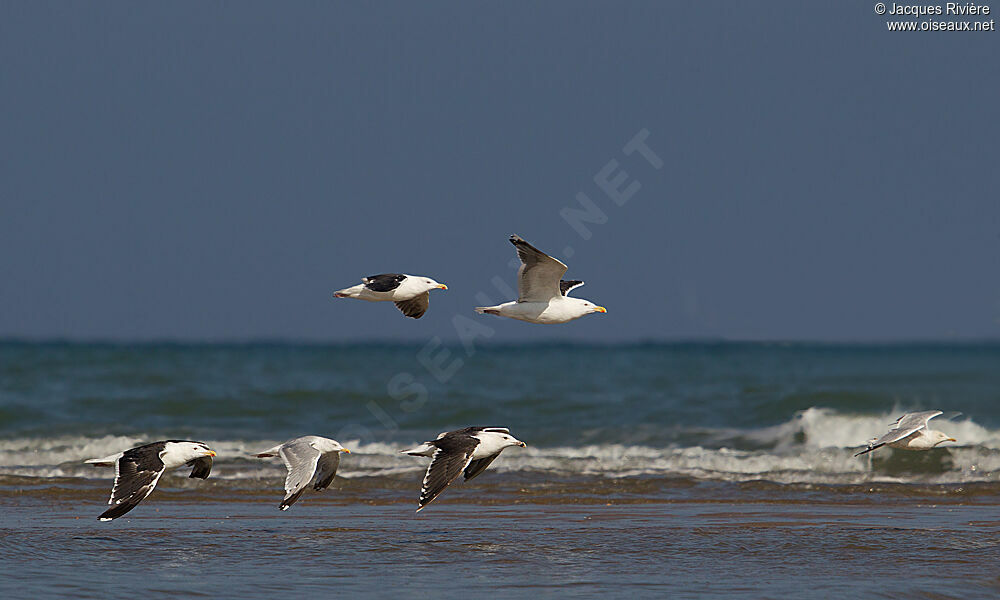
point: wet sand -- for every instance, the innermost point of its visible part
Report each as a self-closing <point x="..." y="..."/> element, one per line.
<point x="693" y="541"/>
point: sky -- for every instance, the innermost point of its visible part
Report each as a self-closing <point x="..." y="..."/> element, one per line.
<point x="215" y="170"/>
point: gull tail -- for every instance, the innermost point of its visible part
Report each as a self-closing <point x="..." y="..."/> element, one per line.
<point x="107" y="461"/>
<point x="351" y="292"/>
<point x="268" y="453"/>
<point x="425" y="449"/>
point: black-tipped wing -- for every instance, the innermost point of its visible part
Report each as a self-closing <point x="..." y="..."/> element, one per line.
<point x="326" y="470"/>
<point x="300" y="459"/>
<point x="452" y="456"/>
<point x="566" y="286"/>
<point x="872" y="445"/>
<point x="202" y="467"/>
<point x="383" y="283"/>
<point x="415" y="307"/>
<point x="136" y="474"/>
<point x="290" y="499"/>
<point x="478" y="466"/>
<point x="539" y="275"/>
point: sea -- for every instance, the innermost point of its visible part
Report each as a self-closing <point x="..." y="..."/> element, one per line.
<point x="680" y="470"/>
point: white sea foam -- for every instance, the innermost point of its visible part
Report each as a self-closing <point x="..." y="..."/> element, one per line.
<point x="826" y="428"/>
<point x="815" y="446"/>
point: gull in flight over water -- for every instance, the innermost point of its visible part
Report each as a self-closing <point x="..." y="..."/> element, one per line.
<point x="542" y="293"/>
<point x="411" y="293"/>
<point x="310" y="460"/>
<point x="910" y="432"/>
<point x="471" y="450"/>
<point x="139" y="469"/>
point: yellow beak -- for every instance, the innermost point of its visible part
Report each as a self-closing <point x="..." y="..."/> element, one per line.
<point x="345" y="450"/>
<point x="523" y="445"/>
<point x="952" y="440"/>
<point x="210" y="453"/>
<point x="442" y="286"/>
<point x="600" y="309"/>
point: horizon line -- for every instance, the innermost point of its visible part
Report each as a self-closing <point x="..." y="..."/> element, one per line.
<point x="293" y="341"/>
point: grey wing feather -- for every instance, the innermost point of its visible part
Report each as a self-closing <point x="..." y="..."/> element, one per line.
<point x="326" y="470"/>
<point x="904" y="426"/>
<point x="300" y="459"/>
<point x="539" y="275"/>
<point x="918" y="418"/>
<point x="414" y="307"/>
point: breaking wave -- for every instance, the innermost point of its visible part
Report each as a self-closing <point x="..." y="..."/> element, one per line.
<point x="815" y="446"/>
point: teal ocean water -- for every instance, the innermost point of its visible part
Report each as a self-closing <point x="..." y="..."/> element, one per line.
<point x="790" y="413"/>
<point x="680" y="468"/>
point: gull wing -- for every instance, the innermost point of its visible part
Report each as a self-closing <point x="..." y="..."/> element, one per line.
<point x="136" y="474"/>
<point x="568" y="286"/>
<point x="385" y="282"/>
<point x="300" y="459"/>
<point x="539" y="275"/>
<point x="202" y="467"/>
<point x="478" y="466"/>
<point x="414" y="307"/>
<point x="453" y="455"/>
<point x="326" y="470"/>
<point x="902" y="427"/>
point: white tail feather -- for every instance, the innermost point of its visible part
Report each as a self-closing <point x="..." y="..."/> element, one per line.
<point x="424" y="449"/>
<point x="107" y="461"/>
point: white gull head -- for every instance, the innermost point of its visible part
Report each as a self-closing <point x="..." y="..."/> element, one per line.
<point x="492" y="442"/>
<point x="177" y="453"/>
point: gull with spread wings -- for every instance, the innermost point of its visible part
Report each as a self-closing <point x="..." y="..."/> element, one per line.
<point x="139" y="469"/>
<point x="470" y="450"/>
<point x="310" y="460"/>
<point x="910" y="432"/>
<point x="542" y="293"/>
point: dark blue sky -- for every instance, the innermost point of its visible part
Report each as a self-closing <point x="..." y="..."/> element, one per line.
<point x="215" y="171"/>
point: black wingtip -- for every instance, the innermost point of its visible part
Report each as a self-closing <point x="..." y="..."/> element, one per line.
<point x="116" y="511"/>
<point x="516" y="239"/>
<point x="869" y="449"/>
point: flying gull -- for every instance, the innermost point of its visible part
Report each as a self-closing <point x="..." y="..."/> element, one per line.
<point x="310" y="460"/>
<point x="409" y="292"/>
<point x="137" y="470"/>
<point x="471" y="450"/>
<point x="910" y="432"/>
<point x="542" y="295"/>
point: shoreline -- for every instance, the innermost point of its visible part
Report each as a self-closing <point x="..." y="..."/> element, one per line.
<point x="511" y="491"/>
